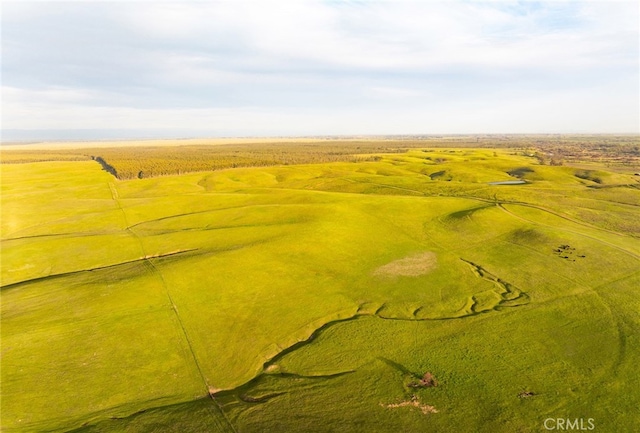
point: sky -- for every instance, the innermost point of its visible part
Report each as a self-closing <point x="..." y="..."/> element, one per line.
<point x="148" y="69"/>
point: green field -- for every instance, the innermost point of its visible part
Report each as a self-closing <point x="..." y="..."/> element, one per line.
<point x="314" y="297"/>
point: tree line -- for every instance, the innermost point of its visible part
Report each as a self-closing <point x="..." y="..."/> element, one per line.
<point x="133" y="162"/>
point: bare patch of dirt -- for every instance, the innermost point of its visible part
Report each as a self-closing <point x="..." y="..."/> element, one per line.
<point x="414" y="402"/>
<point x="213" y="391"/>
<point x="273" y="368"/>
<point x="412" y="266"/>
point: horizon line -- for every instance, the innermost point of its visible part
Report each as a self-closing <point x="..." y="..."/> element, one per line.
<point x="397" y="136"/>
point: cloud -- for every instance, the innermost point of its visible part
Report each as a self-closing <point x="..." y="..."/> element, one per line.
<point x="291" y="65"/>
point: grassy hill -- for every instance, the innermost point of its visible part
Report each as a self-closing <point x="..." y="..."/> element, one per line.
<point x="315" y="297"/>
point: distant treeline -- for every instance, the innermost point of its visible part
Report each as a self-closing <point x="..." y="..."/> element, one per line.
<point x="148" y="161"/>
<point x="142" y="162"/>
<point x="15" y="155"/>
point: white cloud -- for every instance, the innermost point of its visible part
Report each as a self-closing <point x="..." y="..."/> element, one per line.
<point x="288" y="65"/>
<point x="388" y="35"/>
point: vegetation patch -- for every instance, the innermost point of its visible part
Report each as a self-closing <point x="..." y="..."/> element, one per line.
<point x="589" y="175"/>
<point x="526" y="394"/>
<point x="428" y="380"/>
<point x="568" y="252"/>
<point x="441" y="175"/>
<point x="521" y="172"/>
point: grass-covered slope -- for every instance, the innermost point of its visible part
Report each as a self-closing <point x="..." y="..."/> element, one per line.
<point x="315" y="297"/>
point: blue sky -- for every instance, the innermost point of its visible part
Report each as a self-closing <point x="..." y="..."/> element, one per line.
<point x="272" y="68"/>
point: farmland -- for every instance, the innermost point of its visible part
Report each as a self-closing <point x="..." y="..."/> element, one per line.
<point x="364" y="285"/>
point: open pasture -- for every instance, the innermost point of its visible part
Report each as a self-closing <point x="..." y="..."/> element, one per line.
<point x="314" y="297"/>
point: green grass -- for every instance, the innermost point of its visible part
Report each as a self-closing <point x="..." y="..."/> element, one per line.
<point x="126" y="303"/>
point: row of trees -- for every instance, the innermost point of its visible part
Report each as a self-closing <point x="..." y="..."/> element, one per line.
<point x="142" y="162"/>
